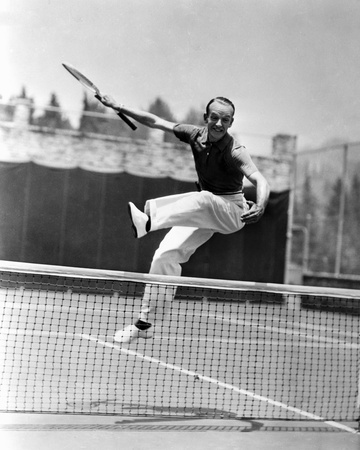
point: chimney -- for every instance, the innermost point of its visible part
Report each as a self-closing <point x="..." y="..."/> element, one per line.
<point x="284" y="146"/>
<point x="22" y="112"/>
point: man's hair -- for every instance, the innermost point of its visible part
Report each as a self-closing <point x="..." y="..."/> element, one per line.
<point x="220" y="99"/>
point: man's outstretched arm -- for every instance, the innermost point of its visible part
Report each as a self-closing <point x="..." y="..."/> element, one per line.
<point x="145" y="118"/>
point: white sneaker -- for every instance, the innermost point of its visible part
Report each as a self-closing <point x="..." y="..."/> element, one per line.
<point x="130" y="333"/>
<point x="138" y="219"/>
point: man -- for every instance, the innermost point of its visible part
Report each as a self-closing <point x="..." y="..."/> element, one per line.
<point x="218" y="206"/>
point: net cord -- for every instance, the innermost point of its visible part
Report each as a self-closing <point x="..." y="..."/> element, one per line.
<point x="101" y="274"/>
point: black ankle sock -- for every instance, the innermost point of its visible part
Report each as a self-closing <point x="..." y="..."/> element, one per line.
<point x="148" y="225"/>
<point x="142" y="325"/>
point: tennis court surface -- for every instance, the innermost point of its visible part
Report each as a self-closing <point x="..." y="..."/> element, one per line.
<point x="248" y="363"/>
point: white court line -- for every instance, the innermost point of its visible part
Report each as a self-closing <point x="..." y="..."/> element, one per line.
<point x="199" y="376"/>
<point x="98" y="311"/>
<point x="284" y="331"/>
<point x="8" y="302"/>
<point x="167" y="337"/>
<point x="61" y="308"/>
<point x="38" y="333"/>
<point x="238" y="321"/>
<point x="68" y="295"/>
<point x="176" y="337"/>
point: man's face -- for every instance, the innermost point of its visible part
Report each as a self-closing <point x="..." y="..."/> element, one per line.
<point x="219" y="120"/>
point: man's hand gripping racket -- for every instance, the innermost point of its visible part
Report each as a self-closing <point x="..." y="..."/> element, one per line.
<point x="254" y="213"/>
<point x="94" y="89"/>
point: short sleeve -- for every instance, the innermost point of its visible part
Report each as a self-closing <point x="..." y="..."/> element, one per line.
<point x="243" y="161"/>
<point x="186" y="133"/>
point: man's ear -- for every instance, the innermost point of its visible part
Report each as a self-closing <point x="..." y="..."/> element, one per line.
<point x="232" y="121"/>
<point x="205" y="117"/>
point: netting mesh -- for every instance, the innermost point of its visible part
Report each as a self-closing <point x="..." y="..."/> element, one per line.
<point x="226" y="350"/>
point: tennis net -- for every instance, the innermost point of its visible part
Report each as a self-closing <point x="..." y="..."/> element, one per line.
<point x="226" y="349"/>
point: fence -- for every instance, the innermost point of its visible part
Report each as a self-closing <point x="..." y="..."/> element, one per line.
<point x="326" y="211"/>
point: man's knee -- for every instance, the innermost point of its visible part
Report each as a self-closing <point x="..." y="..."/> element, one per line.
<point x="205" y="196"/>
<point x="166" y="263"/>
<point x="205" y="199"/>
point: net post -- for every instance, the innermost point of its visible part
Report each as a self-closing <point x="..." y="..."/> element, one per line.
<point x="358" y="398"/>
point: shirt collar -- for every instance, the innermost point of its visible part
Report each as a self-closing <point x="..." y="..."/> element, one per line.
<point x="221" y="144"/>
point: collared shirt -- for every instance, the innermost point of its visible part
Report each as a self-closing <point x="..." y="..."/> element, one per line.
<point x="220" y="165"/>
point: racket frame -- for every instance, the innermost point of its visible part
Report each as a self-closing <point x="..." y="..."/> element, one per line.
<point x="87" y="83"/>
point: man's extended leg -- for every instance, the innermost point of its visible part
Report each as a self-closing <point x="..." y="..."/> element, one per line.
<point x="175" y="249"/>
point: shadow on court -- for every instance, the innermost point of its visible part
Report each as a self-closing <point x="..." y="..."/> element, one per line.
<point x="20" y="431"/>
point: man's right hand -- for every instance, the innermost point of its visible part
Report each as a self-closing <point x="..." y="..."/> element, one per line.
<point x="108" y="101"/>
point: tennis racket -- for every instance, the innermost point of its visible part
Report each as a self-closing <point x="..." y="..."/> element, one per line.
<point x="94" y="89"/>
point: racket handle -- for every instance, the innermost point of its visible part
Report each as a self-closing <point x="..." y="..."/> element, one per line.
<point x="127" y="121"/>
<point x="122" y="116"/>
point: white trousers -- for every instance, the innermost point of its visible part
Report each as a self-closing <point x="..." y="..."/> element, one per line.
<point x="193" y="217"/>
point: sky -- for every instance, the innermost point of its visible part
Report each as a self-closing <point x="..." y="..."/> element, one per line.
<point x="290" y="66"/>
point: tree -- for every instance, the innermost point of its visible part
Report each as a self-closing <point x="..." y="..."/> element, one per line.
<point x="8" y="110"/>
<point x="160" y="108"/>
<point x="195" y="117"/>
<point x="6" y="113"/>
<point x="23" y="93"/>
<point x="351" y="243"/>
<point x="329" y="231"/>
<point x="103" y="122"/>
<point x="307" y="214"/>
<point x="88" y="122"/>
<point x="53" y="117"/>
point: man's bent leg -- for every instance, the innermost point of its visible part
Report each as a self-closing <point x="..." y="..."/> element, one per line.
<point x="199" y="210"/>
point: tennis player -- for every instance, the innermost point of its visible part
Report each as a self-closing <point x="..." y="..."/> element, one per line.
<point x="219" y="205"/>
